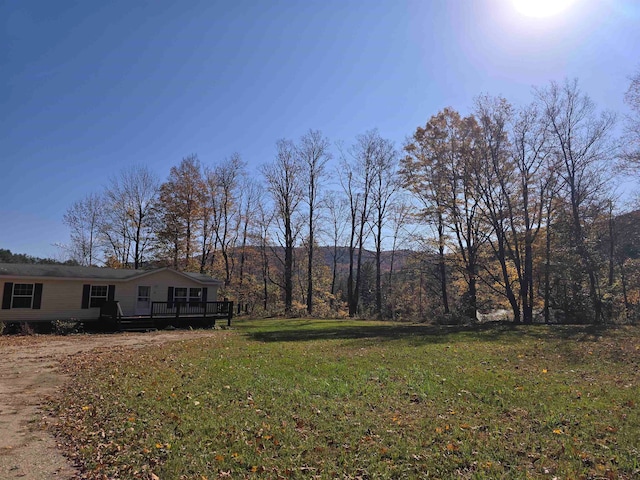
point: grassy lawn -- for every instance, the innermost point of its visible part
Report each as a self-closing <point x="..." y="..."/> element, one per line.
<point x="355" y="399"/>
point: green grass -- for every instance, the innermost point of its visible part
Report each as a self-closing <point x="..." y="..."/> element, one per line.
<point x="354" y="399"/>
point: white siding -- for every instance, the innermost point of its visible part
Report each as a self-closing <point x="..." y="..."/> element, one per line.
<point x="62" y="298"/>
<point x="127" y="292"/>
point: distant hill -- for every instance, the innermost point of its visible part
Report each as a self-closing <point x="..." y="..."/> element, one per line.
<point x="368" y="256"/>
<point x="325" y="255"/>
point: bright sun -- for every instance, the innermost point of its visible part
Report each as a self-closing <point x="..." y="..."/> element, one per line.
<point x="541" y="8"/>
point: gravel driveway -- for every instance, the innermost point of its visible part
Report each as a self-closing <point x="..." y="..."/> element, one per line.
<point x="28" y="373"/>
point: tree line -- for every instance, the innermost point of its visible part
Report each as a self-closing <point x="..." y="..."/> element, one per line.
<point x="6" y="256"/>
<point x="509" y="207"/>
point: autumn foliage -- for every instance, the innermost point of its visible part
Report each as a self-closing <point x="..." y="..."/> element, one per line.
<point x="507" y="212"/>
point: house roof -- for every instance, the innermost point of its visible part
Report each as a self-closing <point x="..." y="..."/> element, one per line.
<point x="34" y="270"/>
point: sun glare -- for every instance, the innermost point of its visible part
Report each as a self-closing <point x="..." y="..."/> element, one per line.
<point x="541" y="8"/>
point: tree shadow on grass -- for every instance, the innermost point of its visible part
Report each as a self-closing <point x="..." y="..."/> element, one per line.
<point x="503" y="332"/>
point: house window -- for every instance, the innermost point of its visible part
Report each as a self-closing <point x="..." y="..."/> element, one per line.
<point x="22" y="295"/>
<point x="195" y="295"/>
<point x="185" y="295"/>
<point x="144" y="293"/>
<point x="180" y="295"/>
<point x="94" y="296"/>
<point x="98" y="295"/>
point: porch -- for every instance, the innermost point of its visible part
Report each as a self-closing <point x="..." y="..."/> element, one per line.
<point x="170" y="314"/>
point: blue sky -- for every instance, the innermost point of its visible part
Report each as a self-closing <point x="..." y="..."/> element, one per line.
<point x="88" y="88"/>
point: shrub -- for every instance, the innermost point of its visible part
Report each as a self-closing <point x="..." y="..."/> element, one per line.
<point x="66" y="327"/>
<point x="26" y="328"/>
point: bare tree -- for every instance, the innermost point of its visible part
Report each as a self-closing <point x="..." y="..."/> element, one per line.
<point x="337" y="208"/>
<point x="496" y="177"/>
<point x="548" y="212"/>
<point x="283" y="178"/>
<point x="250" y="196"/>
<point x="384" y="186"/>
<point x="581" y="142"/>
<point x="84" y="219"/>
<point x="130" y="196"/>
<point x="354" y="199"/>
<point x="400" y="214"/>
<point x="208" y="241"/>
<point x="265" y="218"/>
<point x="357" y="176"/>
<point x="224" y="184"/>
<point x="631" y="152"/>
<point x="313" y="152"/>
<point x="534" y="190"/>
<point x="115" y="233"/>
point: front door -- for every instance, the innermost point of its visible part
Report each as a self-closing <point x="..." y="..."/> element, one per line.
<point x="143" y="303"/>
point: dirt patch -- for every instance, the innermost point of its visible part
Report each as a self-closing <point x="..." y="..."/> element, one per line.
<point x="28" y="373"/>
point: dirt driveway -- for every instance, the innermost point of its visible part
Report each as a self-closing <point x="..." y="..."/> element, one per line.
<point x="28" y="373"/>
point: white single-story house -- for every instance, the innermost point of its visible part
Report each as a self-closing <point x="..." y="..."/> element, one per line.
<point x="35" y="292"/>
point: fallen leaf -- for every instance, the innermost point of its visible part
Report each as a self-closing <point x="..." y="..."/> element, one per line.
<point x="452" y="447"/>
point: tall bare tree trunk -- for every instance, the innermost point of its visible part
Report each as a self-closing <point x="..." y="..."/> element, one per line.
<point x="284" y="182"/>
<point x="442" y="266"/>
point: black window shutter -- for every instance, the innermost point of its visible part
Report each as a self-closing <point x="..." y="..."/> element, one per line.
<point x="6" y="297"/>
<point x="170" y="298"/>
<point x="111" y="293"/>
<point x="86" y="291"/>
<point x="37" y="296"/>
<point x="204" y="295"/>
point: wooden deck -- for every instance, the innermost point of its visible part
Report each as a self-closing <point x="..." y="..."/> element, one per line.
<point x="173" y="314"/>
<point x="161" y="315"/>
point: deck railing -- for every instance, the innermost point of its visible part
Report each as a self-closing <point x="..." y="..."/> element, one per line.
<point x="174" y="309"/>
